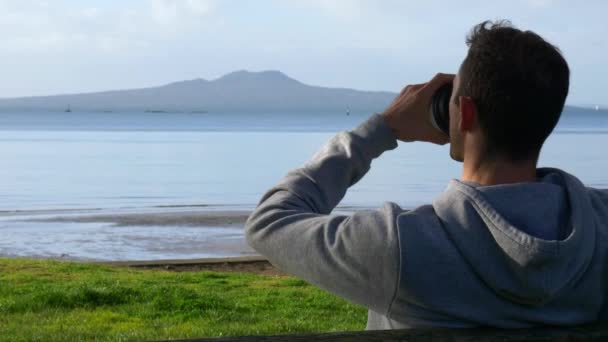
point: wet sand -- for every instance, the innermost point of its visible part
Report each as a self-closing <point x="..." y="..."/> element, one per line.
<point x="172" y="218"/>
<point x="155" y="234"/>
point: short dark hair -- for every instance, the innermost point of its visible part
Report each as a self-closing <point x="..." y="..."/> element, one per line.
<point x="519" y="83"/>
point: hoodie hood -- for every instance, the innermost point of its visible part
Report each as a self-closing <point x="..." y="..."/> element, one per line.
<point x="527" y="241"/>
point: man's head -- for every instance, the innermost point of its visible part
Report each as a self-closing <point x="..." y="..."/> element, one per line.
<point x="508" y="94"/>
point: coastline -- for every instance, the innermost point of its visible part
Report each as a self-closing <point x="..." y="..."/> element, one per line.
<point x="215" y="218"/>
<point x="121" y="235"/>
<point x="250" y="264"/>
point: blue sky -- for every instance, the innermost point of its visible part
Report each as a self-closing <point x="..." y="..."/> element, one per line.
<point x="51" y="47"/>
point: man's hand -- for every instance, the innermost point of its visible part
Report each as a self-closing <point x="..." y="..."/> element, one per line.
<point x="409" y="115"/>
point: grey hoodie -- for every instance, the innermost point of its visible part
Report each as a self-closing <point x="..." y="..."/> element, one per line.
<point x="509" y="256"/>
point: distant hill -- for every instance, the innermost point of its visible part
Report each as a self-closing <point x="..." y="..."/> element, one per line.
<point x="236" y="91"/>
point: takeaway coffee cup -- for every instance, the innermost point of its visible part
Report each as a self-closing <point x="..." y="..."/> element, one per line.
<point x="440" y="108"/>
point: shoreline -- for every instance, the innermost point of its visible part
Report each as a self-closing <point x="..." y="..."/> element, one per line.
<point x="249" y="264"/>
<point x="194" y="218"/>
<point x="127" y="235"/>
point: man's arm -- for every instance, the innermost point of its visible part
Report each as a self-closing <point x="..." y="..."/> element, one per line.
<point x="353" y="256"/>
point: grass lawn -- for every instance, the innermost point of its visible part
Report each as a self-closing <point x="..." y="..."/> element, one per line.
<point x="58" y="301"/>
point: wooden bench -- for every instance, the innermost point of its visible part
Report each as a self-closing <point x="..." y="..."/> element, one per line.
<point x="592" y="332"/>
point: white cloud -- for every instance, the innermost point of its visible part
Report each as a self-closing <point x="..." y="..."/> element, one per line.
<point x="541" y="3"/>
<point x="342" y="9"/>
<point x="31" y="25"/>
<point x="177" y="11"/>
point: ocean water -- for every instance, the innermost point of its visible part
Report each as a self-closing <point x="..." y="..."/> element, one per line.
<point x="117" y="160"/>
<point x="54" y="163"/>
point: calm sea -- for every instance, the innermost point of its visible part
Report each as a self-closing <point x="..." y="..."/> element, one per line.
<point x="149" y="161"/>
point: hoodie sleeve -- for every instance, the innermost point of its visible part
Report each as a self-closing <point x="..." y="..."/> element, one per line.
<point x="355" y="256"/>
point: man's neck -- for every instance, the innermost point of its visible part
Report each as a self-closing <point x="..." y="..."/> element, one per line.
<point x="498" y="172"/>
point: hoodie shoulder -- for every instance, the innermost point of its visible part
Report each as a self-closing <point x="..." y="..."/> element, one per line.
<point x="599" y="201"/>
<point x="599" y="195"/>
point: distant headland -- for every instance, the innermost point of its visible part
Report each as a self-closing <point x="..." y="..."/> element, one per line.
<point x="241" y="91"/>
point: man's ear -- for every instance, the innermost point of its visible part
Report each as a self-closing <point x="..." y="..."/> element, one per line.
<point x="468" y="114"/>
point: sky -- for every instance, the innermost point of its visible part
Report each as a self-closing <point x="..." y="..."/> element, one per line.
<point x="73" y="46"/>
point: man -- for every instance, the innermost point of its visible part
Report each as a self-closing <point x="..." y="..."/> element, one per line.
<point x="508" y="245"/>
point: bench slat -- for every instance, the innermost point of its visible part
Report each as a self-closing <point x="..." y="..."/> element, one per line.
<point x="596" y="332"/>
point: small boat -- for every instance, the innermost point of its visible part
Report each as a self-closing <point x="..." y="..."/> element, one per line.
<point x="68" y="110"/>
<point x="597" y="107"/>
<point x="347" y="111"/>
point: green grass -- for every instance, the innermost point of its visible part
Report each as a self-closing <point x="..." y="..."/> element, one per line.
<point x="62" y="301"/>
